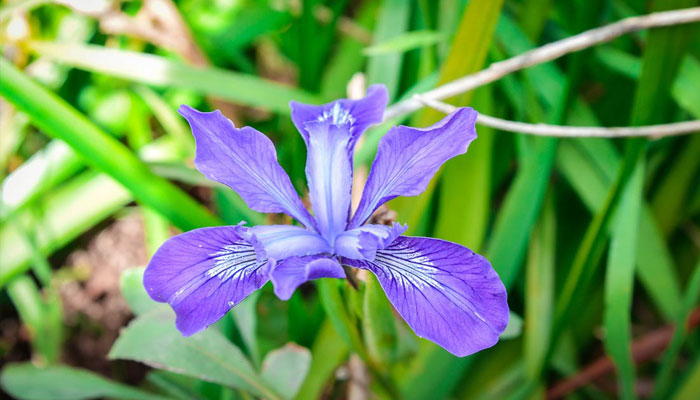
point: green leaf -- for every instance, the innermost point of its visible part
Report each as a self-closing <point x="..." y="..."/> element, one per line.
<point x="65" y="214"/>
<point x="619" y="282"/>
<point x="153" y="340"/>
<point x="328" y="352"/>
<point x="690" y="387"/>
<point x="464" y="200"/>
<point x="131" y="287"/>
<point x="342" y="320"/>
<point x="686" y="87"/>
<point x="43" y="318"/>
<point x="28" y="382"/>
<point x="521" y="206"/>
<point x="680" y="334"/>
<point x="379" y="324"/>
<point x="57" y="118"/>
<point x="392" y="21"/>
<point x="405" y="42"/>
<point x="539" y="290"/>
<point x="46" y="168"/>
<point x="514" y="328"/>
<point x="467" y="54"/>
<point x="245" y="316"/>
<point x="284" y="369"/>
<point x="162" y="72"/>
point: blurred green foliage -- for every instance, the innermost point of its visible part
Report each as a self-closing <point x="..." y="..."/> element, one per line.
<point x="597" y="240"/>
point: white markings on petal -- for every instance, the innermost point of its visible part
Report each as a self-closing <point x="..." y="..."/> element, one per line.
<point x="337" y="115"/>
<point x="411" y="266"/>
<point x="232" y="259"/>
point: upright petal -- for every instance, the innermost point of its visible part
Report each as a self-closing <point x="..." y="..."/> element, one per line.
<point x="204" y="272"/>
<point x="282" y="241"/>
<point x="359" y="113"/>
<point x="245" y="160"/>
<point x="292" y="272"/>
<point x="363" y="242"/>
<point x="329" y="175"/>
<point x="407" y="158"/>
<point x="445" y="292"/>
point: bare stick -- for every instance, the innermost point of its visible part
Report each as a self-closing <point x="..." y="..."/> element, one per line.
<point x="546" y="53"/>
<point x="654" y="131"/>
<point x="643" y="349"/>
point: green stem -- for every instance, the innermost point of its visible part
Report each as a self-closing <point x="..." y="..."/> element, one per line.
<point x="59" y="119"/>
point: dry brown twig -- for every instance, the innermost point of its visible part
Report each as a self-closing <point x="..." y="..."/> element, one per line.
<point x="546" y="53"/>
<point x="643" y="349"/>
<point x="677" y="128"/>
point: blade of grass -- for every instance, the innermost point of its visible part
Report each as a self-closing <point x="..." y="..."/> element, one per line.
<point x="347" y="60"/>
<point x="65" y="214"/>
<point x="619" y="281"/>
<point x="392" y="21"/>
<point x="591" y="177"/>
<point x="55" y="117"/>
<point x="379" y="324"/>
<point x="539" y="290"/>
<point x="659" y="68"/>
<point x="600" y="159"/>
<point x="328" y="352"/>
<point x="464" y="207"/>
<point x="520" y="209"/>
<point x="690" y="387"/>
<point x="668" y="203"/>
<point x="467" y="54"/>
<point x="662" y="382"/>
<point x="44" y="170"/>
<point x="404" y="42"/>
<point x="162" y="72"/>
<point x="332" y="301"/>
<point x="42" y="318"/>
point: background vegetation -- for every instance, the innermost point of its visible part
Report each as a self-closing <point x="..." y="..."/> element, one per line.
<point x="597" y="240"/>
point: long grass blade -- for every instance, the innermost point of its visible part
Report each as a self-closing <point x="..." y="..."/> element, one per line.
<point x="57" y="118"/>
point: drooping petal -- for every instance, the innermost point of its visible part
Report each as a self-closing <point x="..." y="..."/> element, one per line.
<point x="329" y="175"/>
<point x="204" y="272"/>
<point x="282" y="241"/>
<point x="330" y="132"/>
<point x="363" y="242"/>
<point x="245" y="160"/>
<point x="292" y="272"/>
<point x="445" y="292"/>
<point x="407" y="158"/>
<point x="359" y="113"/>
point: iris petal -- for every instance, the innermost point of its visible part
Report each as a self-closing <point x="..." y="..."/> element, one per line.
<point x="445" y="292"/>
<point x="408" y="158"/>
<point x="245" y="160"/>
<point x="330" y="132"/>
<point x="360" y="114"/>
<point x="362" y="243"/>
<point x="329" y="174"/>
<point x="292" y="272"/>
<point x="282" y="241"/>
<point x="204" y="272"/>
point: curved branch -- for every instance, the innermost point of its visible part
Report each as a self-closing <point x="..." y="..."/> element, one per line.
<point x="546" y="53"/>
<point x="653" y="131"/>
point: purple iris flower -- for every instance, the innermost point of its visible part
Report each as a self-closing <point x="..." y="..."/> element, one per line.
<point x="446" y="292"/>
